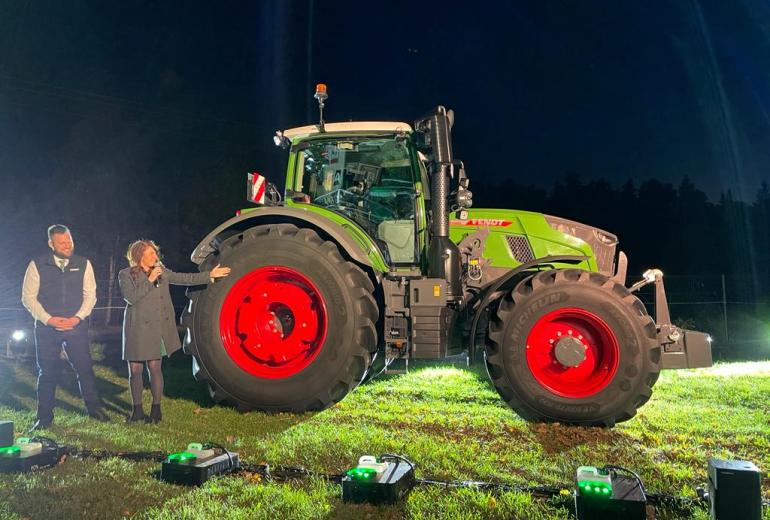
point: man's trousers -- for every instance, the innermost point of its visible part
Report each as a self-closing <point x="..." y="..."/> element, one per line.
<point x="48" y="347"/>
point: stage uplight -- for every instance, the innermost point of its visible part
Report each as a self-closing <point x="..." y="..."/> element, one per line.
<point x="378" y="480"/>
<point x="17" y="344"/>
<point x="606" y="494"/>
<point x="198" y="463"/>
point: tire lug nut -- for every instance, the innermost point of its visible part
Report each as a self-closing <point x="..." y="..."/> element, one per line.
<point x="558" y="334"/>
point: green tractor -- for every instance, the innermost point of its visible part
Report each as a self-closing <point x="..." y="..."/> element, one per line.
<point x="375" y="256"/>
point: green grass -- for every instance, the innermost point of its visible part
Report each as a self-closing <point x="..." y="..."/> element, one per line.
<point x="448" y="420"/>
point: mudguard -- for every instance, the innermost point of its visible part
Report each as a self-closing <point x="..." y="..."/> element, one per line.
<point x="346" y="233"/>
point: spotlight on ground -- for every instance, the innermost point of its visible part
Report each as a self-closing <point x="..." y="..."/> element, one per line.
<point x="198" y="463"/>
<point x="25" y="454"/>
<point x="606" y="494"/>
<point x="383" y="480"/>
<point x="17" y="344"/>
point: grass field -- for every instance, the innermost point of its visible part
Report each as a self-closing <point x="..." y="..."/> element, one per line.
<point x="448" y="420"/>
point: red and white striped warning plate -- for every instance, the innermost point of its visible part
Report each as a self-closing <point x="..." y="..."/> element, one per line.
<point x="257" y="185"/>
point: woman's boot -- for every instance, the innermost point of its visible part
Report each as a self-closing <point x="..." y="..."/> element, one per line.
<point x="155" y="415"/>
<point x="136" y="415"/>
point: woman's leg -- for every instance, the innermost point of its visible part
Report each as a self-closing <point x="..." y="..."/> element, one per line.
<point x="156" y="387"/>
<point x="135" y="382"/>
<point x="135" y="369"/>
<point x="156" y="380"/>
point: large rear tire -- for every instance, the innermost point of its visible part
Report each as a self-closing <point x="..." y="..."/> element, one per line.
<point x="292" y="328"/>
<point x="574" y="347"/>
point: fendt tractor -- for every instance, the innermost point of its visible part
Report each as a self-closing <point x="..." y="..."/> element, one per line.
<point x="373" y="253"/>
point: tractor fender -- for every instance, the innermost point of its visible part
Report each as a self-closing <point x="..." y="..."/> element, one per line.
<point x="490" y="290"/>
<point x="358" y="251"/>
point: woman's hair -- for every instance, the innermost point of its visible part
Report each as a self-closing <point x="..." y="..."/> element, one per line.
<point x="135" y="252"/>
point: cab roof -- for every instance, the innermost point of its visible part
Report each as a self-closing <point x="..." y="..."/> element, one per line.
<point x="353" y="126"/>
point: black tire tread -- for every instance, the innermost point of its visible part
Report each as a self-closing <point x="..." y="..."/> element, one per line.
<point x="547" y="278"/>
<point x="365" y="337"/>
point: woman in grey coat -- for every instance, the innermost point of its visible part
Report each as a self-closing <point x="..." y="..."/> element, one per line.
<point x="149" y="325"/>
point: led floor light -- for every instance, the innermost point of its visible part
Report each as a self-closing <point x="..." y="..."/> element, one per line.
<point x="198" y="463"/>
<point x="383" y="480"/>
<point x="26" y="454"/>
<point x="606" y="494"/>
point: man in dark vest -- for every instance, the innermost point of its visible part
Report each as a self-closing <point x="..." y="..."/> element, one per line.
<point x="60" y="291"/>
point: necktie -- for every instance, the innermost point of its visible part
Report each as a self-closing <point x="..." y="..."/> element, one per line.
<point x="61" y="264"/>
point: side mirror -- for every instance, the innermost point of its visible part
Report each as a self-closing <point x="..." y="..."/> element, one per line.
<point x="281" y="140"/>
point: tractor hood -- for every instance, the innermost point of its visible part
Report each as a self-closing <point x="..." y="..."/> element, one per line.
<point x="516" y="237"/>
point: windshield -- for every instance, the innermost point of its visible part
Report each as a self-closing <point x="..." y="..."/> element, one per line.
<point x="370" y="181"/>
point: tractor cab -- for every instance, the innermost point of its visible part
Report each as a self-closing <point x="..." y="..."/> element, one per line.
<point x="371" y="180"/>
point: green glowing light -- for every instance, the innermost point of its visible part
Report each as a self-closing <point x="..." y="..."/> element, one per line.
<point x="593" y="488"/>
<point x="9" y="451"/>
<point x="182" y="457"/>
<point x="362" y="473"/>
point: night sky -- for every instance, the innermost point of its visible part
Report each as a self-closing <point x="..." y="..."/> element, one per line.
<point x="121" y="118"/>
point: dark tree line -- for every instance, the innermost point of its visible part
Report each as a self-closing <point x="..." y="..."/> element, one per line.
<point x="676" y="228"/>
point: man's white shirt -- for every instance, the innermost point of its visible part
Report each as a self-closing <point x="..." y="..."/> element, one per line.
<point x="31" y="288"/>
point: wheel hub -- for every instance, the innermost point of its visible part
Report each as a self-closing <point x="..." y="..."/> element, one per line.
<point x="570" y="351"/>
<point x="273" y="322"/>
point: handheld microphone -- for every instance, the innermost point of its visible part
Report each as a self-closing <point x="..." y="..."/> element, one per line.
<point x="156" y="283"/>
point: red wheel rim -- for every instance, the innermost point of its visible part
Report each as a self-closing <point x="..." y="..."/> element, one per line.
<point x="273" y="322"/>
<point x="584" y="330"/>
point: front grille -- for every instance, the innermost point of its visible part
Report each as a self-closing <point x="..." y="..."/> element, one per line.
<point x="518" y="245"/>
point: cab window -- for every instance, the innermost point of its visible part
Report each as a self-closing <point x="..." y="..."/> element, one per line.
<point x="370" y="181"/>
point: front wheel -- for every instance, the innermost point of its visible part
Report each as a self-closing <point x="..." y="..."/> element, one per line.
<point x="574" y="347"/>
<point x="292" y="328"/>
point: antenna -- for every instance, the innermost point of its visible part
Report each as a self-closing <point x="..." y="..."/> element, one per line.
<point x="321" y="96"/>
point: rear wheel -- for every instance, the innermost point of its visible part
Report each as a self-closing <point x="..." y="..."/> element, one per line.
<point x="574" y="347"/>
<point x="291" y="329"/>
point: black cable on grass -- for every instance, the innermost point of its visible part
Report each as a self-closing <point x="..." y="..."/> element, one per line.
<point x="285" y="473"/>
<point x="135" y="456"/>
<point x="540" y="491"/>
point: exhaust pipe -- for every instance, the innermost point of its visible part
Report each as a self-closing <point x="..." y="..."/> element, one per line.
<point x="443" y="255"/>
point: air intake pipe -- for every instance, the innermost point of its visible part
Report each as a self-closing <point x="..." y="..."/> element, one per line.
<point x="443" y="254"/>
